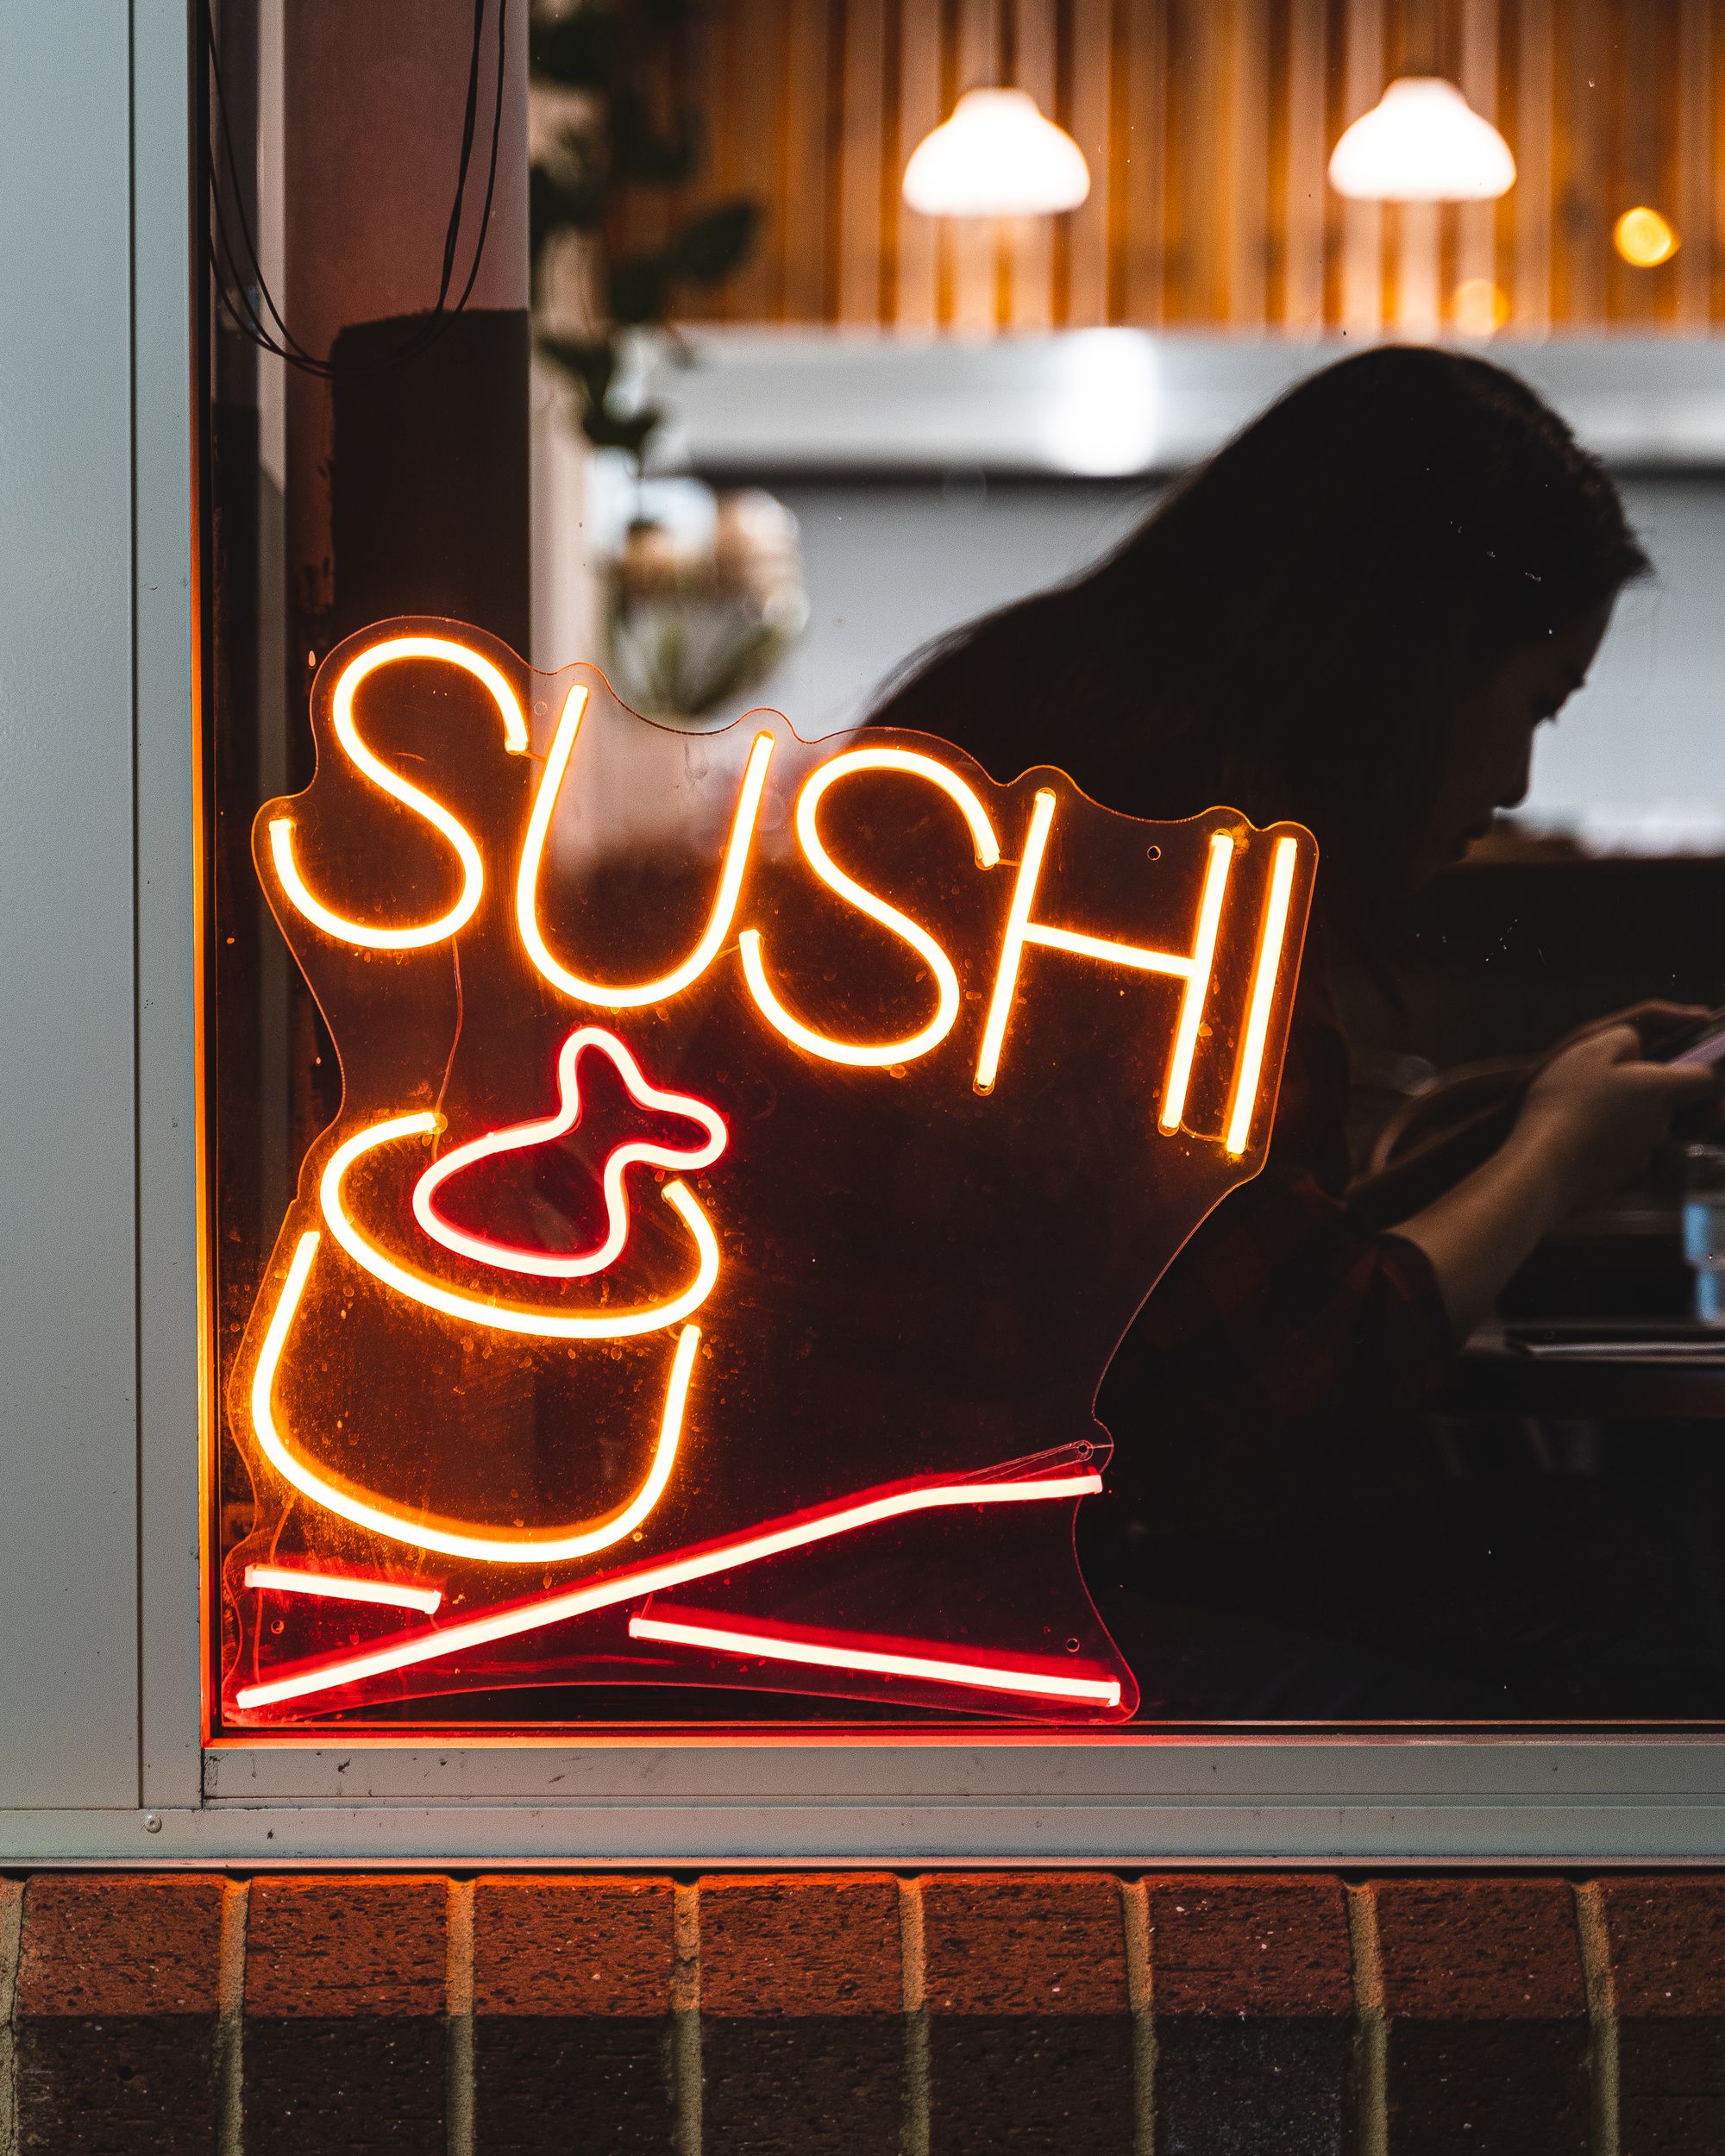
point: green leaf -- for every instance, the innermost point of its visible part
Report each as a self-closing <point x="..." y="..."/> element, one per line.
<point x="640" y="289"/>
<point x="645" y="154"/>
<point x="581" y="50"/>
<point x="608" y="430"/>
<point x="558" y="203"/>
<point x="714" y="243"/>
<point x="590" y="363"/>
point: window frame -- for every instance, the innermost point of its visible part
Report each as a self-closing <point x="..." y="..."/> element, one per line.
<point x="1419" y="1795"/>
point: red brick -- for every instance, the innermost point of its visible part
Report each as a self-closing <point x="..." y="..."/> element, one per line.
<point x="118" y="1944"/>
<point x="572" y="2003"/>
<point x="802" y="2016"/>
<point x="1667" y="1937"/>
<point x="1487" y="2017"/>
<point x="116" y="2011"/>
<point x="344" y="2045"/>
<point x="1029" y="2031"/>
<point x="1253" y="2001"/>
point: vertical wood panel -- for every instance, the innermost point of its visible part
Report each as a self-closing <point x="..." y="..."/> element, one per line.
<point x="755" y="52"/>
<point x="1531" y="195"/>
<point x="1088" y="117"/>
<point x="1583" y="143"/>
<point x="1475" y="253"/>
<point x="1145" y="46"/>
<point x="919" y="81"/>
<point x="976" y="240"/>
<point x="808" y="166"/>
<point x="1694" y="165"/>
<point x="1643" y="47"/>
<point x="1246" y="127"/>
<point x="1716" y="166"/>
<point x="1416" y="300"/>
<point x="1195" y="295"/>
<point x="1362" y="299"/>
<point x="1030" y="243"/>
<point x="1306" y="186"/>
<point x="1207" y="125"/>
<point x="862" y="156"/>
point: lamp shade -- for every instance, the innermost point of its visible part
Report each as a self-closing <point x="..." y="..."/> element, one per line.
<point x="1422" y="142"/>
<point x="996" y="157"/>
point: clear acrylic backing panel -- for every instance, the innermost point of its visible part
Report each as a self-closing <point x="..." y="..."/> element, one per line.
<point x="750" y="1153"/>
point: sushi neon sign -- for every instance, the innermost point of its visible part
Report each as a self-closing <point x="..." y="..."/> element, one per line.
<point x="833" y="1068"/>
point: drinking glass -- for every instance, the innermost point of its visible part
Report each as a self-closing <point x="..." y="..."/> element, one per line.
<point x="1703" y="1228"/>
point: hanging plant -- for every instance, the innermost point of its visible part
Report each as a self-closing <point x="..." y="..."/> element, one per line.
<point x="612" y="73"/>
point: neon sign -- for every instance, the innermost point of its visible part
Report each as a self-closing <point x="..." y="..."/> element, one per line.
<point x="750" y="1152"/>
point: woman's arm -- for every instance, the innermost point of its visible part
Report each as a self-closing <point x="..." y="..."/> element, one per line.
<point x="1590" y="1121"/>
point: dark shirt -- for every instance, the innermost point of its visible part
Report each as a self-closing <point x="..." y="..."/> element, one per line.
<point x="1283" y="1357"/>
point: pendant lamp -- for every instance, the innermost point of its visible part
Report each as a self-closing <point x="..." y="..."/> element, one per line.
<point x="1422" y="142"/>
<point x="998" y="156"/>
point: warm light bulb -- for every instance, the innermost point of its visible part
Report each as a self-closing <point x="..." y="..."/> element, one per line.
<point x="1422" y="142"/>
<point x="996" y="157"/>
<point x="1481" y="307"/>
<point x="1644" y="238"/>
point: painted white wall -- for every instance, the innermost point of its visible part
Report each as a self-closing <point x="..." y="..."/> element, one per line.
<point x="1639" y="756"/>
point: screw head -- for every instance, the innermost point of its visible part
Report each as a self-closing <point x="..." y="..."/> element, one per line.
<point x="153" y="1822"/>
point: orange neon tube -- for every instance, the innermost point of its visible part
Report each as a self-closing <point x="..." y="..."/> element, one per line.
<point x="543" y="1546"/>
<point x="342" y="1587"/>
<point x="1013" y="943"/>
<point x="635" y="998"/>
<point x="872" y="1054"/>
<point x="1194" y="969"/>
<point x="1196" y="988"/>
<point x="1265" y="966"/>
<point x="503" y="1317"/>
<point x="636" y="1584"/>
<point x="281" y="828"/>
<point x="549" y="1265"/>
<point x="753" y="1643"/>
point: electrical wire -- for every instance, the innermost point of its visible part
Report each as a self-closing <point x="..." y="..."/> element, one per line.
<point x="289" y="348"/>
<point x="286" y="347"/>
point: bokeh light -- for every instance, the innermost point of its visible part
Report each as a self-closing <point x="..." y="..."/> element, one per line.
<point x="1644" y="238"/>
<point x="1480" y="307"/>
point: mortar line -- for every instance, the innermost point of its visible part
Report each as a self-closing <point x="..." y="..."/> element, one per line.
<point x="914" y="1967"/>
<point x="11" y="1954"/>
<point x="1140" y="1998"/>
<point x="458" y="1988"/>
<point x="230" y="2019"/>
<point x="1371" y="2035"/>
<point x="1594" y="1937"/>
<point x="685" y="2019"/>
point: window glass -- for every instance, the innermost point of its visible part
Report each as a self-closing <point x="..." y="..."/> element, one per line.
<point x="932" y="737"/>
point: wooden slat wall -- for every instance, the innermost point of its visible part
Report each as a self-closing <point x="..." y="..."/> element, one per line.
<point x="1209" y="124"/>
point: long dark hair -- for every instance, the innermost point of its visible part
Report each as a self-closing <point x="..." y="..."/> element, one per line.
<point x="1290" y="630"/>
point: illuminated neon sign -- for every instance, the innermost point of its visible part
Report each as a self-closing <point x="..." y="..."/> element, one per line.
<point x="750" y="1152"/>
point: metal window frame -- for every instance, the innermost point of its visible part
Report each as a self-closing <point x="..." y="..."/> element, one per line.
<point x="1416" y="1796"/>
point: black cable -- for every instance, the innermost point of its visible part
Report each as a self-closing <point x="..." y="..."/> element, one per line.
<point x="288" y="348"/>
<point x="220" y="102"/>
<point x="491" y="172"/>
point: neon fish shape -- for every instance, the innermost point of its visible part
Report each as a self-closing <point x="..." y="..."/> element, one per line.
<point x="520" y="1136"/>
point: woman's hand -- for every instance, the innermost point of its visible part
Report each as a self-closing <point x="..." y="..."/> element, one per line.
<point x="1588" y="1122"/>
<point x="1652" y="1021"/>
<point x="1596" y="1110"/>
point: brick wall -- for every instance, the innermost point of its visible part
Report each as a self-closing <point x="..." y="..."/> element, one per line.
<point x="860" y="2012"/>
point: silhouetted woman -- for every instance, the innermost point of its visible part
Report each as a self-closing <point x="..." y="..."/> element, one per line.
<point x="1357" y="614"/>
